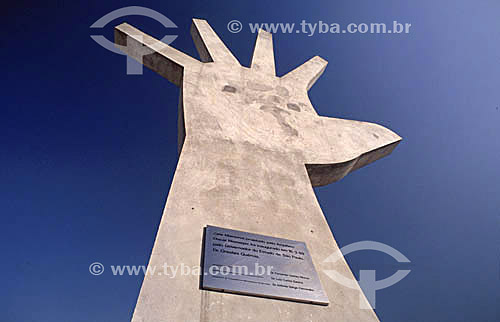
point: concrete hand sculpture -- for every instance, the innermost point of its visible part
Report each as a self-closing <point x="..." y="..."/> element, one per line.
<point x="251" y="144"/>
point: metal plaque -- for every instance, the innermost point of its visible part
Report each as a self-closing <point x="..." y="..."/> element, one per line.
<point x="240" y="262"/>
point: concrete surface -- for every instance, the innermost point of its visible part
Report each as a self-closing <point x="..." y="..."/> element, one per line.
<point x="252" y="146"/>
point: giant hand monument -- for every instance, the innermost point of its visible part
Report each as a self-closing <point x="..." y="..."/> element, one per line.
<point x="251" y="149"/>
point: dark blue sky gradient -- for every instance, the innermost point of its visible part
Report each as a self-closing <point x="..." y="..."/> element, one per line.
<point x="88" y="153"/>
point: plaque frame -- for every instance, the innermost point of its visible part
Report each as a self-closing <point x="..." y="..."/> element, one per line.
<point x="231" y="260"/>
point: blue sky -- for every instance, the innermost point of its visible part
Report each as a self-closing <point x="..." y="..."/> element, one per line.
<point x="88" y="153"/>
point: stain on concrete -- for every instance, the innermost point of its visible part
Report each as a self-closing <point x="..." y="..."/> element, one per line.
<point x="221" y="191"/>
<point x="274" y="99"/>
<point x="256" y="86"/>
<point x="278" y="114"/>
<point x="375" y="135"/>
<point x="289" y="129"/>
<point x="282" y="91"/>
<point x="229" y="89"/>
<point x="227" y="167"/>
<point x="283" y="179"/>
<point x="293" y="106"/>
<point x="274" y="109"/>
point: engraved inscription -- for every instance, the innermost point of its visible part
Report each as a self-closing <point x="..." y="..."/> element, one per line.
<point x="245" y="263"/>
